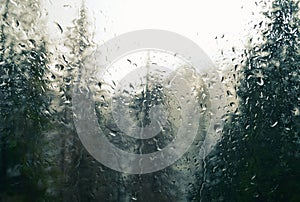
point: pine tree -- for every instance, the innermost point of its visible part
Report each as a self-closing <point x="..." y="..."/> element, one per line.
<point x="24" y="103"/>
<point x="180" y="181"/>
<point x="79" y="169"/>
<point x="258" y="156"/>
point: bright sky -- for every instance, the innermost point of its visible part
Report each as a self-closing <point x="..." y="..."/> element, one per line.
<point x="199" y="20"/>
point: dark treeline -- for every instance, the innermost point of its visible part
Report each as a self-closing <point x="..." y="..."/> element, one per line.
<point x="24" y="103"/>
<point x="258" y="157"/>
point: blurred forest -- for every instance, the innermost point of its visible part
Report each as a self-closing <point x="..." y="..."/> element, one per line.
<point x="257" y="158"/>
<point x="42" y="158"/>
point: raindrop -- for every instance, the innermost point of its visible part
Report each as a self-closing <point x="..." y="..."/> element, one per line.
<point x="59" y="27"/>
<point x="112" y="134"/>
<point x="260" y="82"/>
<point x="273" y="125"/>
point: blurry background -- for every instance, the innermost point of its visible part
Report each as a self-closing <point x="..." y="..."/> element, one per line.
<point x="255" y="45"/>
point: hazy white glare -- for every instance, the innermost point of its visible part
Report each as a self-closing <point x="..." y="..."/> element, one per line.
<point x="198" y="20"/>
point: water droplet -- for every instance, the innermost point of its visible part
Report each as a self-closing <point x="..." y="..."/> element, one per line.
<point x="273" y="125"/>
<point x="260" y="82"/>
<point x="112" y="134"/>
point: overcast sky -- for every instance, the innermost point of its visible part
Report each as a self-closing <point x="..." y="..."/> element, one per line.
<point x="200" y="20"/>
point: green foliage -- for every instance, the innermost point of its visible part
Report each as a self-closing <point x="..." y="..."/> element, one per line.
<point x="258" y="156"/>
<point x="23" y="105"/>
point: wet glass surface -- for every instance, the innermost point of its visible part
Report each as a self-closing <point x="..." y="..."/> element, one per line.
<point x="246" y="145"/>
